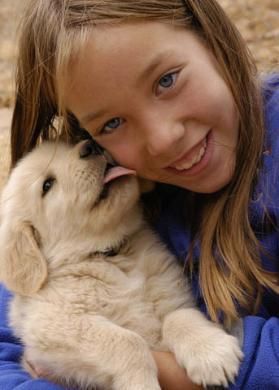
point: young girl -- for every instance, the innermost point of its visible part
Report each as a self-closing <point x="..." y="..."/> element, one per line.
<point x="169" y="89"/>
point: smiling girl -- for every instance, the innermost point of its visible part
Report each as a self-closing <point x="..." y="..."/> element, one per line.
<point x="170" y="90"/>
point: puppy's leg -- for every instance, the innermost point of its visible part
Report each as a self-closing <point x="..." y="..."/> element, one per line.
<point x="209" y="355"/>
<point x="90" y="350"/>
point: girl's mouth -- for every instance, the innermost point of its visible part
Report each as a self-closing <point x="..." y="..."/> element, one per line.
<point x="193" y="164"/>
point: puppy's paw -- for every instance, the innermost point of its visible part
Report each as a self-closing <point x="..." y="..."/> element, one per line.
<point x="212" y="361"/>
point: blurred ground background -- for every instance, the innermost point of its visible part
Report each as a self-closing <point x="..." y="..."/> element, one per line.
<point x="257" y="20"/>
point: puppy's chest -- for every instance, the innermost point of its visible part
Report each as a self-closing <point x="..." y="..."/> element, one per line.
<point x="100" y="287"/>
<point x="108" y="291"/>
<point x="117" y="294"/>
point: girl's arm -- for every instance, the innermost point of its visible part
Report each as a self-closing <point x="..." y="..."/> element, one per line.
<point x="12" y="376"/>
<point x="171" y="375"/>
<point x="260" y="367"/>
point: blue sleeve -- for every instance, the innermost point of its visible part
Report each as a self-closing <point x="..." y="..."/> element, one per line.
<point x="12" y="376"/>
<point x="260" y="367"/>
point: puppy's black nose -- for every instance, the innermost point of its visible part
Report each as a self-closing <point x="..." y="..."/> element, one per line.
<point x="90" y="148"/>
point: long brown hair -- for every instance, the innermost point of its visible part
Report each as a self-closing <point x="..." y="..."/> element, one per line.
<point x="52" y="32"/>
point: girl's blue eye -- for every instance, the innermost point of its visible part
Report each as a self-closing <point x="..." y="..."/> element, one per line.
<point x="112" y="125"/>
<point x="168" y="80"/>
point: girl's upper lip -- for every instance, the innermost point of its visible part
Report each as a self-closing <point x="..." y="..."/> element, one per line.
<point x="189" y="153"/>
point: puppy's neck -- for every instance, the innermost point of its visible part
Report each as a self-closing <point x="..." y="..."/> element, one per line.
<point x="87" y="243"/>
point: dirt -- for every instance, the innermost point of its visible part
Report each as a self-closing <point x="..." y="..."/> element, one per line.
<point x="257" y="20"/>
<point x="10" y="11"/>
<point x="5" y="119"/>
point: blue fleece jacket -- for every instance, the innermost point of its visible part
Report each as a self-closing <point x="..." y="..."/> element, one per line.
<point x="260" y="368"/>
<point x="259" y="333"/>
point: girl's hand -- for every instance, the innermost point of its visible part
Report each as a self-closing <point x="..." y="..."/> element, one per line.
<point x="27" y="365"/>
<point x="171" y="375"/>
<point x="36" y="372"/>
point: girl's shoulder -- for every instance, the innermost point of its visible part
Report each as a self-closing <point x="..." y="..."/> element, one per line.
<point x="271" y="113"/>
<point x="271" y="101"/>
<point x="270" y="84"/>
<point x="265" y="195"/>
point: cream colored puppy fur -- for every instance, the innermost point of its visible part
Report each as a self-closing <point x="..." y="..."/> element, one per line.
<point x="81" y="312"/>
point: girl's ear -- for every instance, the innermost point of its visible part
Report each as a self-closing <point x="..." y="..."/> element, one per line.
<point x="145" y="185"/>
<point x="23" y="268"/>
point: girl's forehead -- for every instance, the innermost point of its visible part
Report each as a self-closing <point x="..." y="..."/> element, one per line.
<point x="107" y="47"/>
<point x="132" y="36"/>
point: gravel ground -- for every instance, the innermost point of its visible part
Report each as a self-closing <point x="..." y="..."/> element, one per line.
<point x="257" y="20"/>
<point x="10" y="11"/>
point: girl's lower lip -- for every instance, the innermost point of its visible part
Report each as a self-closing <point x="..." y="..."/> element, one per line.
<point x="201" y="165"/>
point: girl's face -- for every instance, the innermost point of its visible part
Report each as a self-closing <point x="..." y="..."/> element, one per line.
<point x="153" y="96"/>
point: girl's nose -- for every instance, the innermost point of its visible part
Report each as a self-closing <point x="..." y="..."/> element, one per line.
<point x="160" y="136"/>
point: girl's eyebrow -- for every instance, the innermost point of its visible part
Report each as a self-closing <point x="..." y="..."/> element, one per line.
<point x="91" y="116"/>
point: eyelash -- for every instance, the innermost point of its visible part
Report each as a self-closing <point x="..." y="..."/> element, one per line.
<point x="174" y="76"/>
<point x="103" y="131"/>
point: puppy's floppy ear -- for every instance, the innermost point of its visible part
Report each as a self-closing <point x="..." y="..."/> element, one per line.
<point x="23" y="268"/>
<point x="145" y="185"/>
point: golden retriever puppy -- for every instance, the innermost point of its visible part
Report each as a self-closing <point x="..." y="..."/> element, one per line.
<point x="94" y="288"/>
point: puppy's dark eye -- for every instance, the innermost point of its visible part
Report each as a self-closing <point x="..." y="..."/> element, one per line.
<point x="47" y="184"/>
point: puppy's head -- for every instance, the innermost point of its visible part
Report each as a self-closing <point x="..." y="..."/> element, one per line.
<point x="57" y="195"/>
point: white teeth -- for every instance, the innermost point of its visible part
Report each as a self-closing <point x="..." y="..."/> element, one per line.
<point x="196" y="159"/>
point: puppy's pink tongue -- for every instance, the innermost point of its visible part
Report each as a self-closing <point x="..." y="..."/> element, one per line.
<point x="117" y="171"/>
